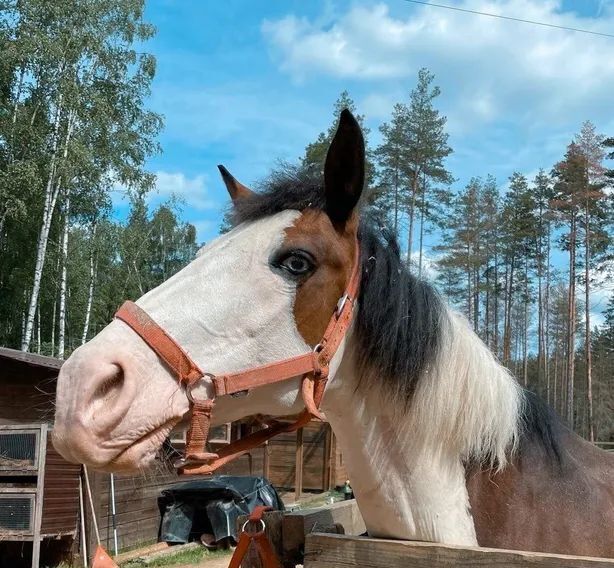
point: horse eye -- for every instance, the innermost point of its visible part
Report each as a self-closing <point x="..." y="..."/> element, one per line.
<point x="297" y="264"/>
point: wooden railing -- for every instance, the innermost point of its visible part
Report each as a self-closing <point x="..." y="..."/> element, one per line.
<point x="327" y="537"/>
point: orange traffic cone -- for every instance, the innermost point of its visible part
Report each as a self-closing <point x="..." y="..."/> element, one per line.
<point x="102" y="559"/>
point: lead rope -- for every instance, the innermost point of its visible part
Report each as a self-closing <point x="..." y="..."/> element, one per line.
<point x="101" y="556"/>
<point x="260" y="540"/>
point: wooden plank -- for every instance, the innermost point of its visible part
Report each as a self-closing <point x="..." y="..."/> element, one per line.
<point x="298" y="466"/>
<point x="338" y="551"/>
<point x="326" y="468"/>
<point x="298" y="524"/>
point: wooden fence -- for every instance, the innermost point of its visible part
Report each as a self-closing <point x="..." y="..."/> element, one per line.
<point x="328" y="537"/>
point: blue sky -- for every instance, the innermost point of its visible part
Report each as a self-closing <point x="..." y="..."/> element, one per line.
<point x="248" y="83"/>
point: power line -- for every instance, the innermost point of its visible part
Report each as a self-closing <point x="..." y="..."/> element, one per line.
<point x="533" y="22"/>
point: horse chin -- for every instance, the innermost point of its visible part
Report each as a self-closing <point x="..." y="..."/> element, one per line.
<point x="140" y="454"/>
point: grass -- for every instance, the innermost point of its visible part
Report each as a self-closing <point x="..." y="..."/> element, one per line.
<point x="193" y="556"/>
<point x="318" y="500"/>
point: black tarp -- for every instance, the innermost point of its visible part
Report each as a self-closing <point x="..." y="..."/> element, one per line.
<point x="212" y="506"/>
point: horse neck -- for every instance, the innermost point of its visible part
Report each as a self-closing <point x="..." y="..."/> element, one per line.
<point x="407" y="466"/>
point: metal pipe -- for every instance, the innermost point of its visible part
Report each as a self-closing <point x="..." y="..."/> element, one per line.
<point x="113" y="514"/>
<point x="82" y="513"/>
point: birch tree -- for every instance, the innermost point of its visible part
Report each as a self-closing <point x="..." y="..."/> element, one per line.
<point x="85" y="76"/>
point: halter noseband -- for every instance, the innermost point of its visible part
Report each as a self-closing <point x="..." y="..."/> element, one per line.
<point x="312" y="366"/>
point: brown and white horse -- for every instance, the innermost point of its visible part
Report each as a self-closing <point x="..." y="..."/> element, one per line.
<point x="441" y="443"/>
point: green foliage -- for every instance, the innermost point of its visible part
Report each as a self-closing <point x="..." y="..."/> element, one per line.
<point x="73" y="124"/>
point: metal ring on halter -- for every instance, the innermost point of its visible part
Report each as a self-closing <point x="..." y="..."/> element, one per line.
<point x="188" y="388"/>
<point x="248" y="521"/>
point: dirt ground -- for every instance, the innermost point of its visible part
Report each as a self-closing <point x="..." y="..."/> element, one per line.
<point x="219" y="562"/>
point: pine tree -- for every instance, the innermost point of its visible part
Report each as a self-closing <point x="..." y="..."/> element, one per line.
<point x="315" y="152"/>
<point x="391" y="161"/>
<point x="542" y="190"/>
<point x="571" y="179"/>
<point x="465" y="259"/>
<point x="518" y="230"/>
<point x="426" y="147"/>
<point x="596" y="237"/>
<point x="490" y="208"/>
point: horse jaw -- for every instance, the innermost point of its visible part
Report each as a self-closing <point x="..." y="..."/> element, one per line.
<point x="116" y="401"/>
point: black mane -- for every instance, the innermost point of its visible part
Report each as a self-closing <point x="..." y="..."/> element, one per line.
<point x="398" y="325"/>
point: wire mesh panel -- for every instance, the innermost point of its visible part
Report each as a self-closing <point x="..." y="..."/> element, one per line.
<point x="16" y="513"/>
<point x="18" y="449"/>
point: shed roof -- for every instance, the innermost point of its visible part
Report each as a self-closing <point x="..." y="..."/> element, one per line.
<point x="30" y="358"/>
<point x="19" y="366"/>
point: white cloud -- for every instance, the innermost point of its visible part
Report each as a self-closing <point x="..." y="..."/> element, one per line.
<point x="192" y="191"/>
<point x="602" y="289"/>
<point x="492" y="68"/>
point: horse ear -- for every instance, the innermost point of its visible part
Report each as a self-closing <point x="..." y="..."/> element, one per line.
<point x="235" y="188"/>
<point x="344" y="169"/>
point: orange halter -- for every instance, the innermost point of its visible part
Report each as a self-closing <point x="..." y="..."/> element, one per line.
<point x="313" y="366"/>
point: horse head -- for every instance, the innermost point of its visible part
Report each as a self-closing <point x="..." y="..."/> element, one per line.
<point x="263" y="292"/>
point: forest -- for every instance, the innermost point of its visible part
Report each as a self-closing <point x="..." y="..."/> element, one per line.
<point x="528" y="260"/>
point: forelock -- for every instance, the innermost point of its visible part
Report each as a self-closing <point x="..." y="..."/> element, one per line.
<point x="287" y="188"/>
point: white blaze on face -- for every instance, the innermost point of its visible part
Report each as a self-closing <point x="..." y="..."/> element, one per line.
<point x="228" y="309"/>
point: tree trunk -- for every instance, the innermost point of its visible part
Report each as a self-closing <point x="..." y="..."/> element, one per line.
<point x="55" y="306"/>
<point x="555" y="377"/>
<point x="571" y="323"/>
<point x="507" y="326"/>
<point x="469" y="287"/>
<point x="487" y="323"/>
<point x="63" y="279"/>
<point x="51" y="195"/>
<point x="476" y="290"/>
<point x="540" y="301"/>
<point x="396" y="201"/>
<point x="412" y="209"/>
<point x="496" y="305"/>
<point x="90" y="295"/>
<point x="547" y="316"/>
<point x="525" y="351"/>
<point x="422" y="214"/>
<point x="587" y="344"/>
<point x="38" y="330"/>
<point x="2" y="218"/>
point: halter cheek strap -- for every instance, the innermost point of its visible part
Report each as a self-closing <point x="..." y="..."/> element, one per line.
<point x="312" y="366"/>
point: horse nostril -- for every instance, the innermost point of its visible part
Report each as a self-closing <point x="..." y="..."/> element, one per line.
<point x="110" y="387"/>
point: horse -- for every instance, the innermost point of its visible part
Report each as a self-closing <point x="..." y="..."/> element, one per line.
<point x="441" y="442"/>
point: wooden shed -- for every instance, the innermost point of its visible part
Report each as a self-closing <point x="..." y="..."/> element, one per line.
<point x="308" y="460"/>
<point x="39" y="491"/>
